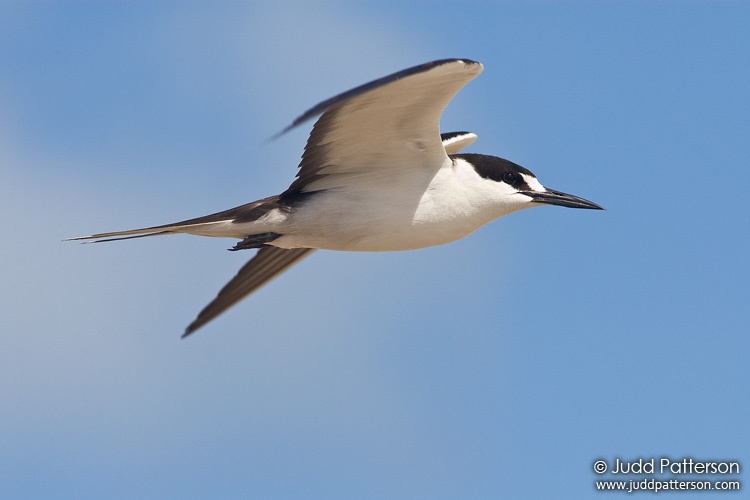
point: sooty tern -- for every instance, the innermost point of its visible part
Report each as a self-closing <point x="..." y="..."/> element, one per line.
<point x="376" y="175"/>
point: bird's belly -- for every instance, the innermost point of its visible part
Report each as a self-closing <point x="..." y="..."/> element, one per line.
<point x="376" y="229"/>
<point x="370" y="238"/>
<point x="389" y="239"/>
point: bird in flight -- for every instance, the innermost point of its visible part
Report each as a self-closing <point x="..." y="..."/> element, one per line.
<point x="376" y="175"/>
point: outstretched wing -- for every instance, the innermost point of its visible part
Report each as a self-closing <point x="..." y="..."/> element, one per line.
<point x="385" y="129"/>
<point x="267" y="263"/>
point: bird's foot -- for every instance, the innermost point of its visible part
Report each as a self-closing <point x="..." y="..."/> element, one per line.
<point x="255" y="241"/>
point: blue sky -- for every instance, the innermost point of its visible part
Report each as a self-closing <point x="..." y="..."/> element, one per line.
<point x="500" y="366"/>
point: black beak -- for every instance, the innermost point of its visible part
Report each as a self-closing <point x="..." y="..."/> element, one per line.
<point x="552" y="197"/>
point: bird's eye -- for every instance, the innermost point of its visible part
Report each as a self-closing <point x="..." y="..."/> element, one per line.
<point x="509" y="178"/>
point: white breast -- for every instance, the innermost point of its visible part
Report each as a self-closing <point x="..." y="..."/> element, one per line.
<point x="418" y="214"/>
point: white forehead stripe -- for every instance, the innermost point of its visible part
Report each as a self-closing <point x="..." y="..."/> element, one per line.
<point x="534" y="184"/>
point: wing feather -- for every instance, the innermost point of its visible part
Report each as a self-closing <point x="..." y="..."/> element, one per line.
<point x="264" y="266"/>
<point x="453" y="142"/>
<point x="387" y="127"/>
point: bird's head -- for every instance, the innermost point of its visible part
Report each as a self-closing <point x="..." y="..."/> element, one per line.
<point x="515" y="187"/>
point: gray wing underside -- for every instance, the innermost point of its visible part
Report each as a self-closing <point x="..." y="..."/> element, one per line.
<point x="349" y="95"/>
<point x="382" y="133"/>
<point x="267" y="264"/>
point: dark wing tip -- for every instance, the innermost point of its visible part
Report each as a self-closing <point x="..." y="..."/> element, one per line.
<point x="190" y="329"/>
<point x="268" y="263"/>
<point x="322" y="106"/>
